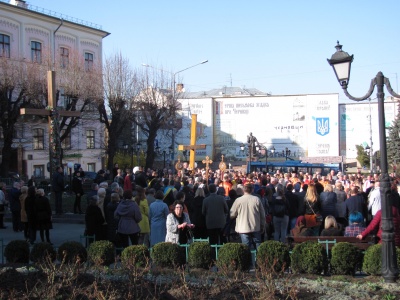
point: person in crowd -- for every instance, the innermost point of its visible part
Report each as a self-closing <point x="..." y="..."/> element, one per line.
<point x="115" y="188"/>
<point x="24" y="216"/>
<point x="356" y="226"/>
<point x="43" y="215"/>
<point x="280" y="215"/>
<point x="250" y="217"/>
<point x="100" y="177"/>
<point x="30" y="213"/>
<point x="215" y="210"/>
<point x="101" y="195"/>
<point x="376" y="225"/>
<point x="129" y="214"/>
<point x="92" y="192"/>
<point x="140" y="177"/>
<point x="200" y="231"/>
<point x="115" y="171"/>
<point x="340" y="204"/>
<point x="318" y="186"/>
<point x="374" y="199"/>
<point x="31" y="181"/>
<point x="3" y="204"/>
<point x="58" y="187"/>
<point x="300" y="229"/>
<point x="312" y="207"/>
<point x="128" y="180"/>
<point x="294" y="202"/>
<point x="77" y="188"/>
<point x="178" y="225"/>
<point x="112" y="222"/>
<point x="331" y="227"/>
<point x="158" y="219"/>
<point x="141" y="201"/>
<point x="119" y="178"/>
<point x="169" y="192"/>
<point x="15" y="206"/>
<point x="94" y="220"/>
<point x="328" y="200"/>
<point x="150" y="192"/>
<point x="226" y="185"/>
<point x="356" y="203"/>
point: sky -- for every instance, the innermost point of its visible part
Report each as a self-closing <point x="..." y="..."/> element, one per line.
<point x="278" y="47"/>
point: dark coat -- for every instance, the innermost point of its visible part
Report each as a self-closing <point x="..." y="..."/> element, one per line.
<point x="93" y="220"/>
<point x="15" y="204"/>
<point x="77" y="186"/>
<point x="112" y="222"/>
<point x="58" y="182"/>
<point x="294" y="203"/>
<point x="328" y="204"/>
<point x="43" y="213"/>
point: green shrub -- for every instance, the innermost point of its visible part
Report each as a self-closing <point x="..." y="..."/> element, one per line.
<point x="273" y="253"/>
<point x="17" y="252"/>
<point x="200" y="255"/>
<point x="42" y="251"/>
<point x="101" y="253"/>
<point x="345" y="259"/>
<point x="135" y="255"/>
<point x="234" y="256"/>
<point x="309" y="257"/>
<point x="372" y="263"/>
<point x="72" y="252"/>
<point x="166" y="254"/>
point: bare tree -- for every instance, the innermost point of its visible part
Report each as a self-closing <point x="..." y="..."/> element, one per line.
<point x="155" y="106"/>
<point x="119" y="82"/>
<point x="22" y="84"/>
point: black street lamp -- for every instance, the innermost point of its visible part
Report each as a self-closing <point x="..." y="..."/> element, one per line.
<point x="368" y="150"/>
<point x="138" y="146"/>
<point x="287" y="153"/>
<point x="341" y="62"/>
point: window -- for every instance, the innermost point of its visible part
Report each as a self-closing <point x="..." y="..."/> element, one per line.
<point x="38" y="139"/>
<point x="88" y="61"/>
<point x="91" y="167"/>
<point x="66" y="143"/>
<point x="90" y="139"/>
<point x="38" y="171"/>
<point x="4" y="45"/>
<point x="36" y="52"/>
<point x="64" y="57"/>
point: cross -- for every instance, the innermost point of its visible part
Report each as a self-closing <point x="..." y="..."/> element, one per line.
<point x="207" y="161"/>
<point x="192" y="147"/>
<point x="222" y="166"/>
<point x="53" y="119"/>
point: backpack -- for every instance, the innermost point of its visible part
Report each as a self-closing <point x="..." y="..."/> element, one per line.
<point x="279" y="209"/>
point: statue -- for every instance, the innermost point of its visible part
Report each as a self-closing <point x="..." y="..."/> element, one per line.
<point x="252" y="142"/>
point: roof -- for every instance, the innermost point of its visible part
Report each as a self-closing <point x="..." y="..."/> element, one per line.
<point x="226" y="91"/>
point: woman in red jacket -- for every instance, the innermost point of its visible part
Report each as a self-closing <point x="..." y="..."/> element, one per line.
<point x="376" y="223"/>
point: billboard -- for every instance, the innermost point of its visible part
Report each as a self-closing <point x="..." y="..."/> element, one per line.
<point x="359" y="123"/>
<point x="305" y="124"/>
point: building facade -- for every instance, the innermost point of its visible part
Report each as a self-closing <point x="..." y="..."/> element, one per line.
<point x="30" y="34"/>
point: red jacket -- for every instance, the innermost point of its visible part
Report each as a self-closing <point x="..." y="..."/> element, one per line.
<point x="376" y="224"/>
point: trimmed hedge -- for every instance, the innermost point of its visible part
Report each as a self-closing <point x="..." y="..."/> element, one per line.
<point x="372" y="263"/>
<point x="345" y="259"/>
<point x="234" y="256"/>
<point x="72" y="252"/>
<point x="135" y="255"/>
<point x="170" y="255"/>
<point x="42" y="251"/>
<point x="200" y="255"/>
<point x="309" y="257"/>
<point x="17" y="252"/>
<point x="101" y="253"/>
<point x="273" y="254"/>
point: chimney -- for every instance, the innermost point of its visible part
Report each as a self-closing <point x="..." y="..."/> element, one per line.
<point x="20" y="3"/>
<point x="180" y="88"/>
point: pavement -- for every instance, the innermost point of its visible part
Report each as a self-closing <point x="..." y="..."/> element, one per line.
<point x="66" y="227"/>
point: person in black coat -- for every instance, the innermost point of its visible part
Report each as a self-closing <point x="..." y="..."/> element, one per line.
<point x="43" y="215"/>
<point x="30" y="213"/>
<point x="112" y="222"/>
<point x="77" y="188"/>
<point x="15" y="207"/>
<point x="58" y="188"/>
<point x="94" y="219"/>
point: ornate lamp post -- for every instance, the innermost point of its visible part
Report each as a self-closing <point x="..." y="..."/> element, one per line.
<point x="138" y="146"/>
<point x="341" y="62"/>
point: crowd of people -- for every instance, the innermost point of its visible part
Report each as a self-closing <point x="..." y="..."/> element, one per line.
<point x="148" y="207"/>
